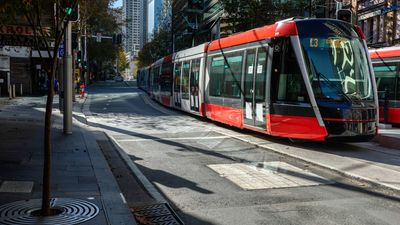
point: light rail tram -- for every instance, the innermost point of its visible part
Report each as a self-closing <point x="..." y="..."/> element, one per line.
<point x="306" y="79"/>
<point x="386" y="63"/>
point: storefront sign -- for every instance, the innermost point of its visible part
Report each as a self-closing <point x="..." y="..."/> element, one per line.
<point x="15" y="51"/>
<point x="19" y="40"/>
<point x="4" y="63"/>
<point x="20" y="30"/>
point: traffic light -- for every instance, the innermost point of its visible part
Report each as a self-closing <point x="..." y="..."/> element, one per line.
<point x="345" y="15"/>
<point x="72" y="10"/>
<point x="117" y="39"/>
<point x="114" y="38"/>
<point x="78" y="58"/>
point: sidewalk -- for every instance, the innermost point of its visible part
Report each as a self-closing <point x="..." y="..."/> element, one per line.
<point x="80" y="173"/>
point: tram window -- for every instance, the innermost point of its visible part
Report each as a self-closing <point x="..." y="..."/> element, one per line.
<point x="260" y="74"/>
<point x="232" y="75"/>
<point x="287" y="81"/>
<point x="177" y="75"/>
<point x="165" y="82"/>
<point x="194" y="77"/>
<point x="387" y="86"/>
<point x="398" y="91"/>
<point x="156" y="78"/>
<point x="386" y="80"/>
<point x="216" y="75"/>
<point x="185" y="80"/>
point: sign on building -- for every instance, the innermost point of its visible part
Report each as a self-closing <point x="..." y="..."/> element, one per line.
<point x="4" y="63"/>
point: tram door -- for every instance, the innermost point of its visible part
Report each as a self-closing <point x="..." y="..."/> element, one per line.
<point x="194" y="85"/>
<point x="254" y="88"/>
<point x="177" y="84"/>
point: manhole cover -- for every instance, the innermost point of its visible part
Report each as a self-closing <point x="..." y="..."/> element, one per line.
<point x="74" y="211"/>
<point x="156" y="214"/>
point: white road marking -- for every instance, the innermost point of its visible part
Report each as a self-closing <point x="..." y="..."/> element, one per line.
<point x="265" y="175"/>
<point x="123" y="198"/>
<point x="181" y="138"/>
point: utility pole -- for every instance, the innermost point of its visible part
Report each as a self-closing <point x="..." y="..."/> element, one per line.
<point x="85" y="75"/>
<point x="67" y="84"/>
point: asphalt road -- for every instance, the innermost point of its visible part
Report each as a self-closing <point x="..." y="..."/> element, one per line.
<point x="212" y="178"/>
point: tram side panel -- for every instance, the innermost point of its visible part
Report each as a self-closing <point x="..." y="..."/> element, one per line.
<point x="165" y="84"/>
<point x="223" y="87"/>
<point x="291" y="112"/>
<point x="188" y="80"/>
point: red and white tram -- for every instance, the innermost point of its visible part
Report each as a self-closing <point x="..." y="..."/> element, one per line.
<point x="298" y="78"/>
<point x="386" y="63"/>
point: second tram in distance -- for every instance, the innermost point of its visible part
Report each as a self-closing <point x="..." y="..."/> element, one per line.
<point x="386" y="63"/>
<point x="298" y="78"/>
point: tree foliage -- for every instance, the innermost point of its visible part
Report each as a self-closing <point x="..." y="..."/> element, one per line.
<point x="242" y="15"/>
<point x="122" y="62"/>
<point x="159" y="47"/>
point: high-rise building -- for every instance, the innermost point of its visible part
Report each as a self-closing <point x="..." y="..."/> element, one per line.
<point x="135" y="25"/>
<point x="154" y="8"/>
<point x="379" y="19"/>
<point x="195" y="22"/>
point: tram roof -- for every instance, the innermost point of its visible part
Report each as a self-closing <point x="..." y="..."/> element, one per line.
<point x="388" y="52"/>
<point x="278" y="29"/>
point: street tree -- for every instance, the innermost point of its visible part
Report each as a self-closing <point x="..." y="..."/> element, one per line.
<point x="159" y="47"/>
<point x="48" y="20"/>
<point x="98" y="19"/>
<point x="122" y="61"/>
<point x="242" y="15"/>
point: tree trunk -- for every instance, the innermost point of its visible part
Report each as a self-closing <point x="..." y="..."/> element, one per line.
<point x="46" y="192"/>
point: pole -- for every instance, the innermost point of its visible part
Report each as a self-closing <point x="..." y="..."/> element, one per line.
<point x="61" y="85"/>
<point x="85" y="76"/>
<point x="68" y="82"/>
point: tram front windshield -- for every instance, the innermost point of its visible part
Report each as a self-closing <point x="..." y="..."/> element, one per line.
<point x="336" y="60"/>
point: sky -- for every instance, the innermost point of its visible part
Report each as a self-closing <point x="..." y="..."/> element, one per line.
<point x="118" y="3"/>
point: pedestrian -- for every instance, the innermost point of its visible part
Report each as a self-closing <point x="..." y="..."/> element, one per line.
<point x="82" y="87"/>
<point x="56" y="86"/>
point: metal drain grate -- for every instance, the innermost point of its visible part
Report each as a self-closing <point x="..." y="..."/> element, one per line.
<point x="74" y="211"/>
<point x="156" y="214"/>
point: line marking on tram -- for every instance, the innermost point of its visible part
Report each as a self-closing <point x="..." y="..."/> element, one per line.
<point x="171" y="139"/>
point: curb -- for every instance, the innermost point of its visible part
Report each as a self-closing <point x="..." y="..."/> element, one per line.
<point x="133" y="168"/>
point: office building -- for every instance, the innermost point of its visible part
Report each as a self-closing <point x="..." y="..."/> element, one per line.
<point x="134" y="12"/>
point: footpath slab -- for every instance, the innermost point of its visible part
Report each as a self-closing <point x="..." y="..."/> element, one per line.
<point x="79" y="169"/>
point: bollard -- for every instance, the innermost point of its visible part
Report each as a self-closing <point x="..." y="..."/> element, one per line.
<point x="20" y="89"/>
<point x="9" y="92"/>
<point x="13" y="91"/>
